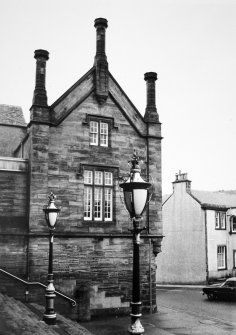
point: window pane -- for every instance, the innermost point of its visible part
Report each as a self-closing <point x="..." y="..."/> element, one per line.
<point x="98" y="203"/>
<point x="234" y="224"/>
<point x="108" y="178"/>
<point x="222" y="220"/>
<point x="88" y="177"/>
<point x="108" y="204"/>
<point x="88" y="203"/>
<point x="93" y="133"/>
<point x="217" y="219"/>
<point x="98" y="179"/>
<point x="221" y="254"/>
<point x="103" y="134"/>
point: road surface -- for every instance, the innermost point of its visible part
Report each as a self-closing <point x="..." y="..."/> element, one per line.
<point x="191" y="301"/>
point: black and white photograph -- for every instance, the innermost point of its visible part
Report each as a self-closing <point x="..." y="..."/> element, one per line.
<point x="118" y="167"/>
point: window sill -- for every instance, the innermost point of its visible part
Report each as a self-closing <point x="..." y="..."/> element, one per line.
<point x="100" y="148"/>
<point x="93" y="223"/>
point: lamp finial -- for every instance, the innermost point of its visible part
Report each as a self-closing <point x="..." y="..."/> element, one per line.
<point x="51" y="198"/>
<point x="135" y="160"/>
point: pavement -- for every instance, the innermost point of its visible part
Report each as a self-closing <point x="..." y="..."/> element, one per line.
<point x="17" y="318"/>
<point x="165" y="322"/>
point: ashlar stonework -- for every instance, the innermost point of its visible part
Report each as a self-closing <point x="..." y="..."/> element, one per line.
<point x="93" y="244"/>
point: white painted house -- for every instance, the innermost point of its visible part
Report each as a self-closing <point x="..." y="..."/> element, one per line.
<point x="199" y="229"/>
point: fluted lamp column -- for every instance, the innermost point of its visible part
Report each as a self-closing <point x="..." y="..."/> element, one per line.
<point x="135" y="191"/>
<point x="51" y="214"/>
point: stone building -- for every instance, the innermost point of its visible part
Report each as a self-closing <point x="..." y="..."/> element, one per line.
<point x="200" y="235"/>
<point x="78" y="148"/>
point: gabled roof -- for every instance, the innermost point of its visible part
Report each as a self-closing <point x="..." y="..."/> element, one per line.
<point x="217" y="198"/>
<point x="83" y="88"/>
<point x="98" y="83"/>
<point x="210" y="199"/>
<point x="12" y="115"/>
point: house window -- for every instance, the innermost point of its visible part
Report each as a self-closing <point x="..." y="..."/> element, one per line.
<point x="221" y="257"/>
<point x="98" y="195"/>
<point x="217" y="220"/>
<point x="234" y="258"/>
<point x="220" y="220"/>
<point x="98" y="133"/>
<point x="233" y="224"/>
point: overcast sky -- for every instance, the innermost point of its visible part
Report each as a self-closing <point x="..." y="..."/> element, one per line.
<point x="191" y="44"/>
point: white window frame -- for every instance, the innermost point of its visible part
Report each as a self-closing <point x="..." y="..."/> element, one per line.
<point x="99" y="133"/>
<point x="104" y="132"/>
<point x="220" y="220"/>
<point x="217" y="220"/>
<point x="108" y="204"/>
<point x="221" y="257"/>
<point x="88" y="195"/>
<point x="88" y="202"/>
<point x="93" y="132"/>
<point x="99" y="205"/>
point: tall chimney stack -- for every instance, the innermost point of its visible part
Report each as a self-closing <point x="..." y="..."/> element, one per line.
<point x="151" y="114"/>
<point x="100" y="24"/>
<point x="100" y="62"/>
<point x="40" y="93"/>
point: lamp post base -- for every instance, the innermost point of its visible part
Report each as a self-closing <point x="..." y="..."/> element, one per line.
<point x="136" y="327"/>
<point x="50" y="319"/>
<point x="49" y="315"/>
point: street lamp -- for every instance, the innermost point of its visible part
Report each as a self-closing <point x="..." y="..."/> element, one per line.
<point x="51" y="213"/>
<point x="135" y="196"/>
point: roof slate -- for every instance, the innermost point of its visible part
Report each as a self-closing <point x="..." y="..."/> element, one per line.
<point x="211" y="198"/>
<point x="219" y="198"/>
<point x="12" y="115"/>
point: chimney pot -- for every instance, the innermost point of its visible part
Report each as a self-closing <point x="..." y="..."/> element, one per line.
<point x="41" y="54"/>
<point x="150" y="76"/>
<point x="40" y="94"/>
<point x="100" y="61"/>
<point x="151" y="114"/>
<point x="182" y="178"/>
<point x="100" y="22"/>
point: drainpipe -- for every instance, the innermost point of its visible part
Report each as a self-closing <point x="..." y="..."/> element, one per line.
<point x="206" y="246"/>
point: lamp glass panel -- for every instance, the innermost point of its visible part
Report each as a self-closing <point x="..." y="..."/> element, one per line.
<point x="139" y="200"/>
<point x="52" y="218"/>
<point x="128" y="201"/>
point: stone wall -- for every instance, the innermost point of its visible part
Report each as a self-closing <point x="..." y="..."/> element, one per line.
<point x="102" y="267"/>
<point x="92" y="257"/>
<point x="92" y="260"/>
<point x="13" y="198"/>
<point x="13" y="224"/>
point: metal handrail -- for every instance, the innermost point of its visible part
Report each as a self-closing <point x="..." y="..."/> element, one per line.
<point x="36" y="283"/>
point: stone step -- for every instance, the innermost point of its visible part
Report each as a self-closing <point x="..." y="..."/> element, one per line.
<point x="17" y="318"/>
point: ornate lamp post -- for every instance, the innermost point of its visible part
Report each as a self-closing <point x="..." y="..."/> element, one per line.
<point x="135" y="196"/>
<point x="51" y="213"/>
